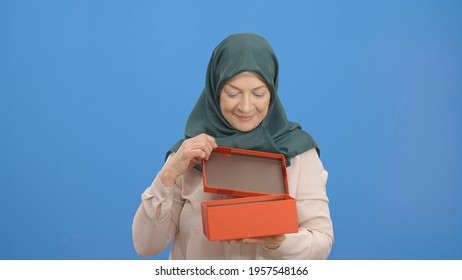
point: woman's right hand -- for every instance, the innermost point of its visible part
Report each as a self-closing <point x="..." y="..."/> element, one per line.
<point x="190" y="153"/>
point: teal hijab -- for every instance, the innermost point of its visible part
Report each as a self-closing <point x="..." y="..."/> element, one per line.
<point x="236" y="54"/>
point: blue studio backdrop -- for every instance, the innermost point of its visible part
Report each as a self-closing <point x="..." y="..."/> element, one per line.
<point x="93" y="93"/>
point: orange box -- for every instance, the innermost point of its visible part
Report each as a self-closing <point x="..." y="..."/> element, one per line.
<point x="260" y="180"/>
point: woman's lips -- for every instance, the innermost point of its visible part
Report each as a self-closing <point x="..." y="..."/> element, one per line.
<point x="244" y="118"/>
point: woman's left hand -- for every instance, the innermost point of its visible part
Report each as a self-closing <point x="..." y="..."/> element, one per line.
<point x="270" y="242"/>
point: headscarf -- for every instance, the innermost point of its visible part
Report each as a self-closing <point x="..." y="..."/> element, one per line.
<point x="236" y="54"/>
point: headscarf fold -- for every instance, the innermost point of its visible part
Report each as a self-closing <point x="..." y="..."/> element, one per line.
<point x="236" y="54"/>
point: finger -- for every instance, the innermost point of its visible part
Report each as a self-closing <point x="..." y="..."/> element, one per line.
<point x="213" y="145"/>
<point x="256" y="241"/>
<point x="212" y="141"/>
<point x="205" y="146"/>
<point x="196" y="154"/>
<point x="209" y="139"/>
<point x="281" y="237"/>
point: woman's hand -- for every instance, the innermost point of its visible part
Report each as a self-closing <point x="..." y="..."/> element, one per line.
<point x="270" y="242"/>
<point x="190" y="153"/>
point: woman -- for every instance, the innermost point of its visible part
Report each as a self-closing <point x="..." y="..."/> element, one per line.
<point x="239" y="107"/>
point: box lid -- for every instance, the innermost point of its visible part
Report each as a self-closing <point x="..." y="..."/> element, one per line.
<point x="243" y="173"/>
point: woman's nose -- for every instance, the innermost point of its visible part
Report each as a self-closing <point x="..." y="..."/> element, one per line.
<point x="245" y="105"/>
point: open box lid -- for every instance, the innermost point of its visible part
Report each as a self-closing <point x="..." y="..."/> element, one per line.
<point x="243" y="173"/>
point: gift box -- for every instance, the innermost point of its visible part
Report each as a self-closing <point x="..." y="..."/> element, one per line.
<point x="260" y="205"/>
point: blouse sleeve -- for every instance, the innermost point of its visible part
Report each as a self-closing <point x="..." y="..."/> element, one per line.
<point x="315" y="236"/>
<point x="156" y="220"/>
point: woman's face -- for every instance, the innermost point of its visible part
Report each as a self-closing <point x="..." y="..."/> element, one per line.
<point x="244" y="101"/>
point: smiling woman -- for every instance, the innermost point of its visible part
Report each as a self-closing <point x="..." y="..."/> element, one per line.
<point x="238" y="108"/>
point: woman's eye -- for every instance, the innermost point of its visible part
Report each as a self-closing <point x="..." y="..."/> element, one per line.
<point x="232" y="94"/>
<point x="259" y="93"/>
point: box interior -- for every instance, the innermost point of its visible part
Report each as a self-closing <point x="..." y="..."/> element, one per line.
<point x="245" y="173"/>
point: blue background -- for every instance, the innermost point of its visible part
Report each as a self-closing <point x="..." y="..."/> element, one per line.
<point x="94" y="92"/>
